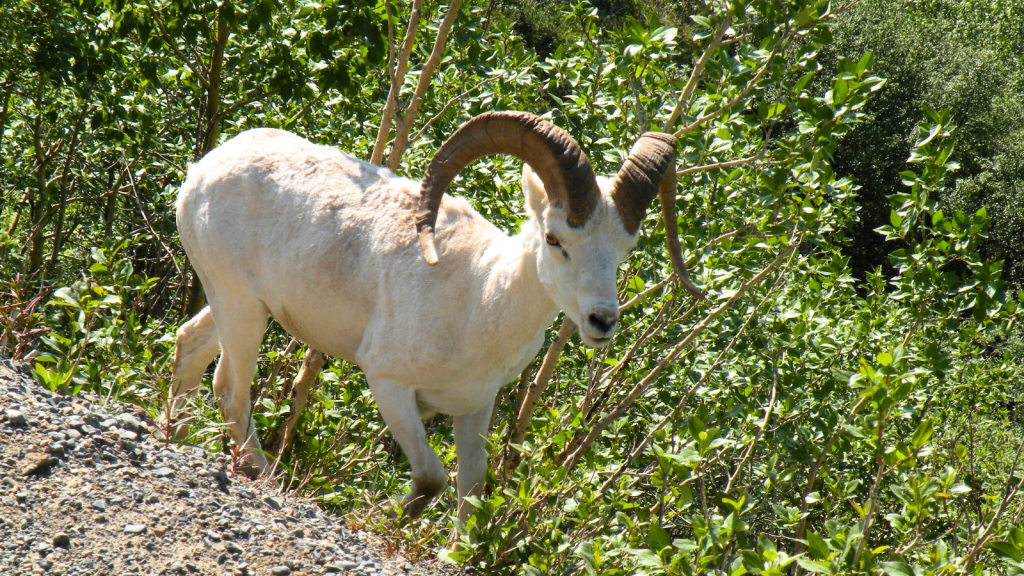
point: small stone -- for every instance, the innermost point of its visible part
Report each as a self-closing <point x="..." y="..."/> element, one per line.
<point x="45" y="564"/>
<point x="348" y="565"/>
<point x="152" y="499"/>
<point x="280" y="570"/>
<point x="15" y="417"/>
<point x="99" y="505"/>
<point x="61" y="539"/>
<point x="55" y="448"/>
<point x="22" y="496"/>
<point x="130" y="422"/>
<point x="43" y="548"/>
<point x="298" y="533"/>
<point x="108" y="423"/>
<point x="332" y="568"/>
<point x="99" y="518"/>
<point x="134" y="528"/>
<point x="34" y="462"/>
<point x="176" y="567"/>
<point x="272" y="502"/>
<point x="233" y="548"/>
<point x="163" y="471"/>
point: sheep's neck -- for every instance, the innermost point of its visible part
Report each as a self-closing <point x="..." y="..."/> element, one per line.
<point x="522" y="304"/>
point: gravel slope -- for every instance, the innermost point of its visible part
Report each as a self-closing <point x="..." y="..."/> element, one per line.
<point x="86" y="489"/>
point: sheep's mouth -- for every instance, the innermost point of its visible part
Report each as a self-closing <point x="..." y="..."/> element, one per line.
<point x="599" y="342"/>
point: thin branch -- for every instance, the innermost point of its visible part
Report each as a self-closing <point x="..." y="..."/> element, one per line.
<point x="537" y="387"/>
<point x="695" y="74"/>
<point x="149" y="225"/>
<point x="409" y="118"/>
<point x="449" y="103"/>
<point x="716" y="165"/>
<point x="739" y="98"/>
<point x="397" y="79"/>
<point x="719" y="360"/>
<point x="579" y="448"/>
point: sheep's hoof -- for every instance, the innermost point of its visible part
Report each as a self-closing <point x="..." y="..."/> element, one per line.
<point x="415" y="504"/>
<point x="422" y="494"/>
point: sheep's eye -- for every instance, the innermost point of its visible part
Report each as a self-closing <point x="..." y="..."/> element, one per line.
<point x="551" y="239"/>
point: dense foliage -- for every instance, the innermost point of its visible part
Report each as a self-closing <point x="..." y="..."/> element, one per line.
<point x="815" y="414"/>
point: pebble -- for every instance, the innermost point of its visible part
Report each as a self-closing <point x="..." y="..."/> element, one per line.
<point x="163" y="471"/>
<point x="134" y="528"/>
<point x="15" y="417"/>
<point x="99" y="505"/>
<point x="61" y="539"/>
<point x="280" y="570"/>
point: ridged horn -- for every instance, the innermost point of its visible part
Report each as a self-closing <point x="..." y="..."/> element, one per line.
<point x="550" y="151"/>
<point x="649" y="171"/>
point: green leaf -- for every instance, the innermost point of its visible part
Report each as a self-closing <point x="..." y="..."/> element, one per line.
<point x="818" y="547"/>
<point x="897" y="569"/>
<point x="922" y="434"/>
<point x="1005" y="550"/>
<point x="658" y="538"/>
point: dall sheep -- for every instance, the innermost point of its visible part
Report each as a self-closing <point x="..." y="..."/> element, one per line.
<point x="336" y="250"/>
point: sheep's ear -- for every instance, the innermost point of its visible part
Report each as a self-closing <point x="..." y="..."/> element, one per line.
<point x="533" y="189"/>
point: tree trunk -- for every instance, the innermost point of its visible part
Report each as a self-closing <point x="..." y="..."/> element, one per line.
<point x="211" y="117"/>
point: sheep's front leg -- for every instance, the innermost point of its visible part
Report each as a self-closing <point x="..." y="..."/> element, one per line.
<point x="397" y="405"/>
<point x="471" y="450"/>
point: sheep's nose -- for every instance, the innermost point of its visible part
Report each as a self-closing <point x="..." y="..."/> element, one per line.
<point x="603" y="321"/>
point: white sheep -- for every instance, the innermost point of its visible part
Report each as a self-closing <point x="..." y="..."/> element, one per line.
<point x="327" y="244"/>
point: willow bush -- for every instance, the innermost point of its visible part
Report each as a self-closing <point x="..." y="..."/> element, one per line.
<point x="797" y="420"/>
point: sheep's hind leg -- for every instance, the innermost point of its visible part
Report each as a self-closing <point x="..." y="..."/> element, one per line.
<point x="195" y="346"/>
<point x="240" y="327"/>
<point x="398" y="406"/>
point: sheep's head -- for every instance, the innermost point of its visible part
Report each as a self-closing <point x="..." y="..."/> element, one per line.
<point x="586" y="225"/>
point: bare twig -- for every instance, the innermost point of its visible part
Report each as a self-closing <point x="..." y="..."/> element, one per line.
<point x="312" y="363"/>
<point x="397" y="79"/>
<point x="695" y="74"/>
<point x="739" y="97"/>
<point x="537" y="387"/>
<point x="449" y="103"/>
<point x="409" y="117"/>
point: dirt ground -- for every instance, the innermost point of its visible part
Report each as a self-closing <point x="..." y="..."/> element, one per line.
<point x="87" y="490"/>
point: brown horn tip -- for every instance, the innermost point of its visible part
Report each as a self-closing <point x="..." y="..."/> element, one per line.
<point x="649" y="171"/>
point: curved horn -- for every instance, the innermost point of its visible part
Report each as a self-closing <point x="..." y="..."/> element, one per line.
<point x="649" y="171"/>
<point x="553" y="154"/>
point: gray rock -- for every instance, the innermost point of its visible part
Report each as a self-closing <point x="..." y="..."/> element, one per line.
<point x="134" y="528"/>
<point x="61" y="539"/>
<point x="45" y="564"/>
<point x="272" y="502"/>
<point x="15" y="417"/>
<point x="99" y="505"/>
<point x="280" y="570"/>
<point x="163" y="471"/>
<point x="130" y="422"/>
<point x="233" y="548"/>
